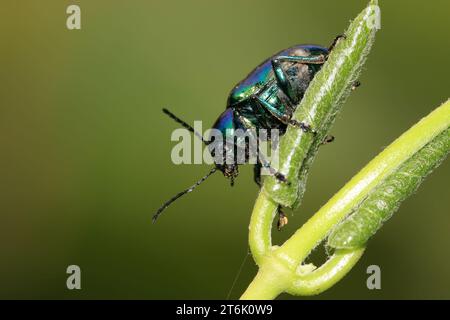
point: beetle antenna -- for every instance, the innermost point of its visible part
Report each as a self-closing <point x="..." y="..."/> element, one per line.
<point x="184" y="124"/>
<point x="168" y="203"/>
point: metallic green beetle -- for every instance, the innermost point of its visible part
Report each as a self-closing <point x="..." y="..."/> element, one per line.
<point x="265" y="99"/>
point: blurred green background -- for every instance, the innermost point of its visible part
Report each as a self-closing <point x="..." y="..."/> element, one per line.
<point x="85" y="149"/>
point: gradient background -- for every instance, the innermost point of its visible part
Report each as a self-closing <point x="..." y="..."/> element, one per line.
<point x="85" y="149"/>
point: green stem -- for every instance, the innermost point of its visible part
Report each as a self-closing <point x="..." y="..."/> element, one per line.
<point x="260" y="237"/>
<point x="281" y="269"/>
<point x="319" y="107"/>
<point x="331" y="272"/>
<point x="272" y="279"/>
<point x="298" y="247"/>
<point x="322" y="101"/>
<point x="425" y="144"/>
<point x="381" y="204"/>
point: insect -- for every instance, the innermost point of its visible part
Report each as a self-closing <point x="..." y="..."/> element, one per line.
<point x="265" y="99"/>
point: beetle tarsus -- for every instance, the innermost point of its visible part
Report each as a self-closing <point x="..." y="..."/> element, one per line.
<point x="336" y="41"/>
<point x="328" y="139"/>
<point x="355" y="85"/>
<point x="278" y="175"/>
<point x="281" y="177"/>
<point x="302" y="125"/>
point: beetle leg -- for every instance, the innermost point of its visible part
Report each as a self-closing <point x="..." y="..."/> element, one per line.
<point x="260" y="156"/>
<point x="319" y="59"/>
<point x="282" y="77"/>
<point x="336" y="40"/>
<point x="355" y="85"/>
<point x="328" y="139"/>
<point x="282" y="219"/>
<point x="283" y="117"/>
<point x="279" y="176"/>
<point x="282" y="80"/>
<point x="302" y="125"/>
<point x="257" y="174"/>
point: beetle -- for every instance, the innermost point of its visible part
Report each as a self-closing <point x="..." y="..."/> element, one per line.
<point x="265" y="99"/>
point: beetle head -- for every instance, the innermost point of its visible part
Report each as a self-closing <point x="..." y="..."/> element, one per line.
<point x="225" y="126"/>
<point x="230" y="171"/>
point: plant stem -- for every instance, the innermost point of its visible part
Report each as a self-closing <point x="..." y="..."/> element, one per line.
<point x="281" y="269"/>
<point x="272" y="279"/>
<point x="298" y="247"/>
<point x="427" y="141"/>
<point x="319" y="107"/>
<point x="260" y="229"/>
<point x="331" y="272"/>
<point x="381" y="204"/>
<point x="322" y="101"/>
